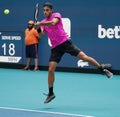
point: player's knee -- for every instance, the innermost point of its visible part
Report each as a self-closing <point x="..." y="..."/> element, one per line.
<point x="51" y="69"/>
<point x="82" y="56"/>
<point x="85" y="58"/>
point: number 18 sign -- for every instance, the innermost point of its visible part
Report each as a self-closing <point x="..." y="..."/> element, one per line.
<point x="11" y="46"/>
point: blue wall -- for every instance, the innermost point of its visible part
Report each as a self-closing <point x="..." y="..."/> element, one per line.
<point x="85" y="17"/>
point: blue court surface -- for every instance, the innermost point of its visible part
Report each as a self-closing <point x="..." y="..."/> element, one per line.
<point x="77" y="94"/>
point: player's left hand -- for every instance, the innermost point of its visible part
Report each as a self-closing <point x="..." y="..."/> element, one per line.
<point x="36" y="25"/>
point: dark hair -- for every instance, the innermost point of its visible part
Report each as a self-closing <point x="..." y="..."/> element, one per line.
<point x="48" y="4"/>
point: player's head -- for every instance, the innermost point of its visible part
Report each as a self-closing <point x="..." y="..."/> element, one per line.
<point x="47" y="9"/>
<point x="30" y="24"/>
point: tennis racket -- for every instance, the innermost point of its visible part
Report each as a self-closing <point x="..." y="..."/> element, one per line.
<point x="36" y="13"/>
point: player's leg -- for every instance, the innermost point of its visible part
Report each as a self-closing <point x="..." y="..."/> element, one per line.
<point x="51" y="78"/>
<point x="75" y="51"/>
<point x="55" y="57"/>
<point x="92" y="61"/>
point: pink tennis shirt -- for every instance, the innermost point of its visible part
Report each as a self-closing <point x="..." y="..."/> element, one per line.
<point x="56" y="33"/>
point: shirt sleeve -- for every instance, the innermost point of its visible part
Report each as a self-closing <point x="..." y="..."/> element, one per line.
<point x="57" y="15"/>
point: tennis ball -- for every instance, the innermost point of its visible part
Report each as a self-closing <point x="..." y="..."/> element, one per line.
<point x="6" y="11"/>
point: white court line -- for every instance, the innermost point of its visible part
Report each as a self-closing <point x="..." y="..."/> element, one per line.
<point x="47" y="112"/>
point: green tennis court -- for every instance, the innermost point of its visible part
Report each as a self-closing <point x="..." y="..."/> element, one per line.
<point x="77" y="94"/>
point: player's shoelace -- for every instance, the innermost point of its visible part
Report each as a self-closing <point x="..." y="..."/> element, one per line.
<point x="106" y="66"/>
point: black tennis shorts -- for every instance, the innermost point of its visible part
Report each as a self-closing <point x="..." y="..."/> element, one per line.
<point x="32" y="51"/>
<point x="60" y="50"/>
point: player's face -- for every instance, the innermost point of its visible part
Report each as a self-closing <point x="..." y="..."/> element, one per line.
<point x="47" y="11"/>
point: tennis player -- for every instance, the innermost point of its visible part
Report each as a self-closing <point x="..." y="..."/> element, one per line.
<point x="61" y="44"/>
<point x="31" y="42"/>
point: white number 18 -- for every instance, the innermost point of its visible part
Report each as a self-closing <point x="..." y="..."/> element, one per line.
<point x="11" y="50"/>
